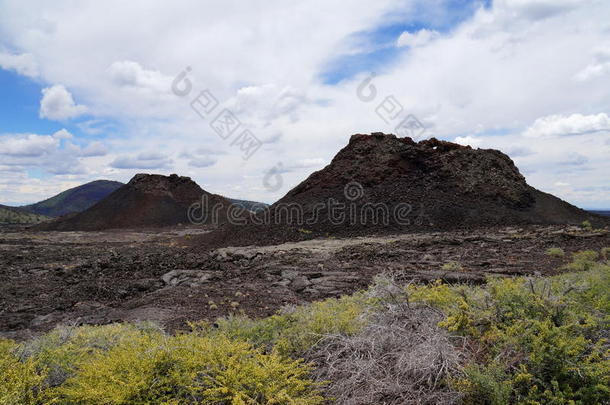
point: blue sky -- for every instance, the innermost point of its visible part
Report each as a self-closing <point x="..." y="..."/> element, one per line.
<point x="86" y="96"/>
<point x="377" y="46"/>
<point x="20" y="106"/>
<point x="19" y="103"/>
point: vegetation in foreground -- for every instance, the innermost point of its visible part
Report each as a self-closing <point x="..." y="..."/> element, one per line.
<point x="11" y="215"/>
<point x="511" y="341"/>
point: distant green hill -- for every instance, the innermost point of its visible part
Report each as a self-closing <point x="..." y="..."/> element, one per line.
<point x="253" y="206"/>
<point x="12" y="215"/>
<point x="76" y="199"/>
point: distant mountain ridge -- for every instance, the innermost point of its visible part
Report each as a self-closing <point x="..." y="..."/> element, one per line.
<point x="147" y="201"/>
<point x="253" y="206"/>
<point x="74" y="200"/>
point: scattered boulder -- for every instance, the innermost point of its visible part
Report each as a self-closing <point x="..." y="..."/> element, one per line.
<point x="189" y="277"/>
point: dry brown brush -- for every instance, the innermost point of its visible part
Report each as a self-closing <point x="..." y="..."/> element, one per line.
<point x="400" y="357"/>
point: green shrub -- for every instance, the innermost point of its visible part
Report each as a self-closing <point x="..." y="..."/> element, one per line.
<point x="485" y="385"/>
<point x="605" y="252"/>
<point x="555" y="252"/>
<point x="586" y="225"/>
<point x="546" y="335"/>
<point x="20" y="382"/>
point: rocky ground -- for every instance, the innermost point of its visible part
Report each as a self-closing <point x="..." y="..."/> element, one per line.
<point x="50" y="278"/>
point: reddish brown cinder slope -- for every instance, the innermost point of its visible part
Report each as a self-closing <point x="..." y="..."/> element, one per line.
<point x="427" y="185"/>
<point x="148" y="200"/>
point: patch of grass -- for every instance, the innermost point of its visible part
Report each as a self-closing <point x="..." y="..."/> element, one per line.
<point x="583" y="261"/>
<point x="555" y="252"/>
<point x="586" y="225"/>
<point x="294" y="330"/>
<point x="452" y="266"/>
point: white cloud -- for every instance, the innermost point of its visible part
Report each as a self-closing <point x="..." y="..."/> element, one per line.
<point x="57" y="104"/>
<point x="63" y="134"/>
<point x="94" y="149"/>
<point x="504" y="68"/>
<point x="52" y="154"/>
<point x="574" y="159"/>
<point x="536" y="9"/>
<point x="419" y="38"/>
<point x="30" y="145"/>
<point x="24" y="64"/>
<point x="202" y="161"/>
<point x="132" y="74"/>
<point x="146" y="160"/>
<point x="309" y="163"/>
<point x="574" y="124"/>
<point x="599" y="67"/>
<point x="469" y="141"/>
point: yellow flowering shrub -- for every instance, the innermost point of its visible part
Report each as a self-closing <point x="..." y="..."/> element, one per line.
<point x="20" y="381"/>
<point x="188" y="369"/>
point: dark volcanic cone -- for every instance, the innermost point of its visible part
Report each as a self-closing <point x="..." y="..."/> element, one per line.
<point x="148" y="200"/>
<point x="383" y="184"/>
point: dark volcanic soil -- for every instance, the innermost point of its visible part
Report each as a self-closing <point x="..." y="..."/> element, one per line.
<point x="50" y="278"/>
<point x="381" y="184"/>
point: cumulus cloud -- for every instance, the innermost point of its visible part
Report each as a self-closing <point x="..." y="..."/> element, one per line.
<point x="265" y="103"/>
<point x="24" y="64"/>
<point x="94" y="149"/>
<point x="600" y="66"/>
<point x="132" y="74"/>
<point x="574" y="159"/>
<point x="63" y="134"/>
<point x="308" y="163"/>
<point x="29" y="145"/>
<point x="146" y="160"/>
<point x="201" y="157"/>
<point x="469" y="141"/>
<point x="202" y="161"/>
<point x="53" y="154"/>
<point x="415" y="39"/>
<point x="537" y="9"/>
<point x="503" y="68"/>
<point x="575" y="124"/>
<point x="518" y="151"/>
<point x="57" y="104"/>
